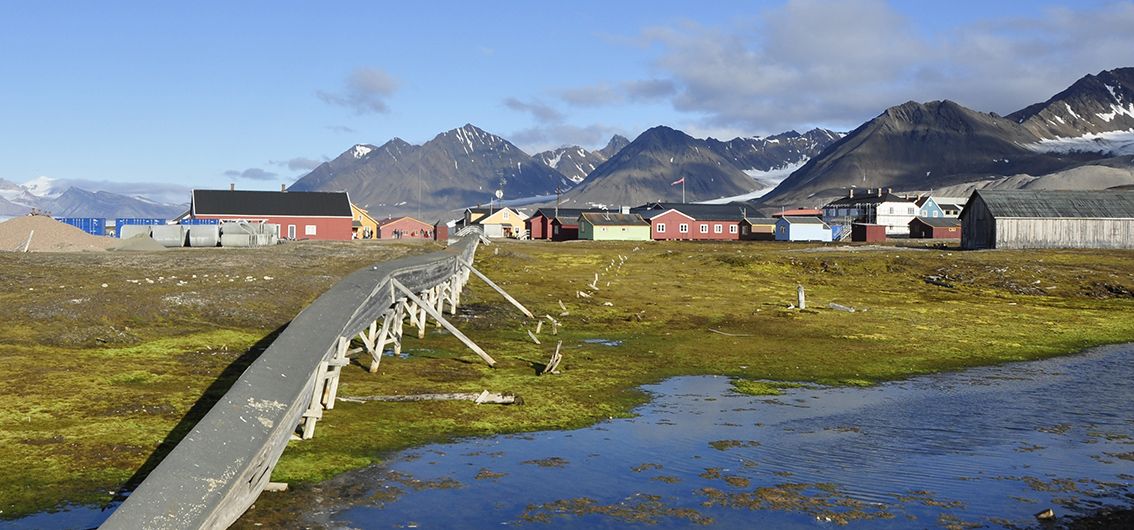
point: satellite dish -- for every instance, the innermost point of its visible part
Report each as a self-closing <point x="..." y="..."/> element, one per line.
<point x="499" y="194"/>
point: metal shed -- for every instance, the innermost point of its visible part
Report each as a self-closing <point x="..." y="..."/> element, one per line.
<point x="1048" y="219"/>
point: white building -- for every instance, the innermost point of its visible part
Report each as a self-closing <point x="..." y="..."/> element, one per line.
<point x="873" y="206"/>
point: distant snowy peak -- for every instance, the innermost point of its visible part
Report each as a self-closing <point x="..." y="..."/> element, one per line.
<point x="775" y="152"/>
<point x="361" y="150"/>
<point x="1093" y="105"/>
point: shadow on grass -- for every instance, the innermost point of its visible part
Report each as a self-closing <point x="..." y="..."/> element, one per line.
<point x="210" y="397"/>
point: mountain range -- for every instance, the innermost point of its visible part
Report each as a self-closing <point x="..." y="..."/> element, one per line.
<point x="62" y="200"/>
<point x="466" y="166"/>
<point x="1077" y="139"/>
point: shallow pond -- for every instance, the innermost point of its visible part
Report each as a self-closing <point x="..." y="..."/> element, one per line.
<point x="989" y="446"/>
<point x="984" y="447"/>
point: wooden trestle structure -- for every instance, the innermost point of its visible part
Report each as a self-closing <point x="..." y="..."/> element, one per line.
<point x="219" y="469"/>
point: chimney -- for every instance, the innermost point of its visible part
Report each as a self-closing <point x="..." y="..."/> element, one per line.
<point x="879" y="192"/>
<point x="851" y="193"/>
<point x="889" y="190"/>
<point x="231" y="186"/>
<point x="283" y="188"/>
<point x="624" y="210"/>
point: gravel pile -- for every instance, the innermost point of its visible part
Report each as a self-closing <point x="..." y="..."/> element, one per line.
<point x="138" y="243"/>
<point x="49" y="236"/>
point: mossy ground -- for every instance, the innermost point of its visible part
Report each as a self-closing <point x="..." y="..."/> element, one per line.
<point x="984" y="307"/>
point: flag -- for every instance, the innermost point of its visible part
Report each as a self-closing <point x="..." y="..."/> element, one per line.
<point x="678" y="181"/>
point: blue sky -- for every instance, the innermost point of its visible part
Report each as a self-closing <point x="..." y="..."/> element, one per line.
<point x="206" y="93"/>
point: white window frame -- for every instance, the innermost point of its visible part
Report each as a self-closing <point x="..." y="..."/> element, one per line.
<point x="732" y="229"/>
<point x="310" y="230"/>
<point x="718" y="229"/>
<point x="704" y="228"/>
<point x="661" y="228"/>
<point x="683" y="228"/>
<point x="505" y="215"/>
<point x="291" y="231"/>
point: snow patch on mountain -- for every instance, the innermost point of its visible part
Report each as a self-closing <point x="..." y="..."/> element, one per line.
<point x="1115" y="143"/>
<point x="776" y="175"/>
<point x="360" y="150"/>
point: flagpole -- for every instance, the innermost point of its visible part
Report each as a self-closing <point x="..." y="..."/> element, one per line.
<point x="682" y="190"/>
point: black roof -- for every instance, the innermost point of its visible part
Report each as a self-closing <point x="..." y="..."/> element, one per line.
<point x="251" y="203"/>
<point x="937" y="222"/>
<point x="761" y="220"/>
<point x="1102" y="204"/>
<point x="565" y="214"/>
<point x="733" y="211"/>
<point x="869" y="199"/>
<point x="611" y="218"/>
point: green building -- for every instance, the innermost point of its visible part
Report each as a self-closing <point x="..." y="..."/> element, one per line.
<point x="606" y="226"/>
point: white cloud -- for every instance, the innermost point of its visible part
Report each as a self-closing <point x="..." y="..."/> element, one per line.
<point x="812" y="62"/>
<point x="366" y="91"/>
<point x="252" y="173"/>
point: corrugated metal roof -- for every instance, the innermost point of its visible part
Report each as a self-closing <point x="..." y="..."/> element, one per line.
<point x="807" y="220"/>
<point x="608" y="219"/>
<point x="761" y="220"/>
<point x="733" y="211"/>
<point x="1058" y="203"/>
<point x="938" y="222"/>
<point x="253" y="203"/>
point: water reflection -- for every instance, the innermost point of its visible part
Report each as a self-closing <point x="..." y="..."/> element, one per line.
<point x="989" y="446"/>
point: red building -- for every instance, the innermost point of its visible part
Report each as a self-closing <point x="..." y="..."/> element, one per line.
<point x="799" y="212"/>
<point x="556" y="224"/>
<point x="300" y="214"/>
<point x="935" y="228"/>
<point x="703" y="222"/>
<point x="866" y="232"/>
<point x="441" y="231"/>
<point x="404" y="228"/>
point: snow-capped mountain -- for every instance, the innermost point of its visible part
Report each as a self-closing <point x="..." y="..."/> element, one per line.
<point x="457" y="168"/>
<point x="927" y="146"/>
<point x="575" y="162"/>
<point x="62" y="199"/>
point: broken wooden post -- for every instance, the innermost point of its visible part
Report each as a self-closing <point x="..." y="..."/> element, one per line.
<point x="801" y="298"/>
<point x="538" y="327"/>
<point x="532" y="335"/>
<point x="503" y="293"/>
<point x="444" y="323"/>
<point x="554" y="325"/>
<point x="552" y="366"/>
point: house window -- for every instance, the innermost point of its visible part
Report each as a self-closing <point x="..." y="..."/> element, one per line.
<point x="704" y="228"/>
<point x="309" y="230"/>
<point x="683" y="228"/>
<point x="732" y="229"/>
<point x="291" y="231"/>
<point x="661" y="228"/>
<point x="891" y="210"/>
<point x="555" y="228"/>
<point x="910" y="212"/>
<point x="717" y="229"/>
<point x="925" y="213"/>
<point x="744" y="230"/>
<point x="505" y="215"/>
<point x="936" y="214"/>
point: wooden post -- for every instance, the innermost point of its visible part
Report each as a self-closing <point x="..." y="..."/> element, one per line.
<point x="336" y="364"/>
<point x="802" y="299"/>
<point x="506" y="296"/>
<point x="445" y="323"/>
<point x="380" y="341"/>
<point x="315" y="408"/>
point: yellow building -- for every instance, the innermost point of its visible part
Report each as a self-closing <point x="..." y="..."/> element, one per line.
<point x="496" y="222"/>
<point x="364" y="226"/>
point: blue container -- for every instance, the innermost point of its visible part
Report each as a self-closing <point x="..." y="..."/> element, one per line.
<point x="121" y="221"/>
<point x="91" y="225"/>
<point x="191" y="221"/>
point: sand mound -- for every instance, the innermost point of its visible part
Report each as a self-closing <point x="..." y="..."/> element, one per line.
<point x="48" y="235"/>
<point x="138" y="243"/>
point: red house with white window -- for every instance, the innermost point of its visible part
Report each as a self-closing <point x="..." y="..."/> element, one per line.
<point x="404" y="228"/>
<point x="702" y="222"/>
<point x="300" y="214"/>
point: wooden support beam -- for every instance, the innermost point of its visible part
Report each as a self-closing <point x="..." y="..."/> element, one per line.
<point x="380" y="342"/>
<point x="503" y="293"/>
<point x="445" y="323"/>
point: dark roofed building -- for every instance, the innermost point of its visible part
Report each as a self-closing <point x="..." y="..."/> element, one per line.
<point x="935" y="228"/>
<point x="300" y="214"/>
<point x="560" y="224"/>
<point x="1048" y="219"/>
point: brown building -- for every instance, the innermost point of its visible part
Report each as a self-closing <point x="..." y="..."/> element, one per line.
<point x="869" y="233"/>
<point x="758" y="229"/>
<point x="935" y="228"/>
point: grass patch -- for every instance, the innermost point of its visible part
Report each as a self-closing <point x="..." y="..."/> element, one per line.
<point x="149" y="352"/>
